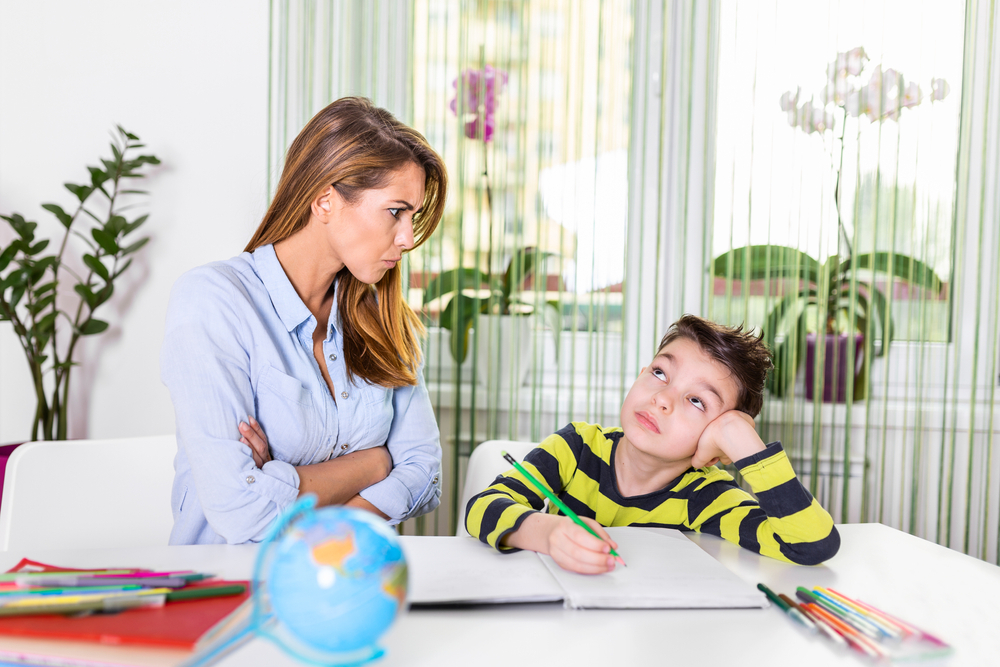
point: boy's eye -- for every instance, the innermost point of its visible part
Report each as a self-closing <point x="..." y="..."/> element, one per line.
<point x="657" y="373"/>
<point x="395" y="212"/>
<point x="696" y="402"/>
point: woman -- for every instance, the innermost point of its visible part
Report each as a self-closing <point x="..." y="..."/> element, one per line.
<point x="292" y="338"/>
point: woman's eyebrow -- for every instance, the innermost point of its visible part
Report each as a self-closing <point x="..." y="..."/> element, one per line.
<point x="407" y="206"/>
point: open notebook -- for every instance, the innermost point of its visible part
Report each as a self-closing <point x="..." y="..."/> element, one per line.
<point x="665" y="570"/>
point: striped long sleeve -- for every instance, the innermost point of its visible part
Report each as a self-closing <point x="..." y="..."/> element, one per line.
<point x="577" y="464"/>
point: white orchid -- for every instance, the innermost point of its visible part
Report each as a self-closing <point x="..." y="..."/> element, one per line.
<point x="882" y="97"/>
<point x="939" y="89"/>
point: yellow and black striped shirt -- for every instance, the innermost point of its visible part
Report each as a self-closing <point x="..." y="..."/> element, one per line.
<point x="576" y="463"/>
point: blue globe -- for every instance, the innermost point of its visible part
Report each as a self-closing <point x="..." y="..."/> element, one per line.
<point x="335" y="580"/>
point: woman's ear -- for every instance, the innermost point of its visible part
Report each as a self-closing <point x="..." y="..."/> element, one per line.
<point x="323" y="205"/>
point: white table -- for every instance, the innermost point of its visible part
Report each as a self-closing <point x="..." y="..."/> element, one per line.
<point x="945" y="592"/>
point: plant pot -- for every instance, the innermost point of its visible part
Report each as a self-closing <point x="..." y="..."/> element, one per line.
<point x="503" y="350"/>
<point x="835" y="379"/>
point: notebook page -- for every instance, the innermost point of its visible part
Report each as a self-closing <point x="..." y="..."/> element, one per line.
<point x="457" y="570"/>
<point x="665" y="570"/>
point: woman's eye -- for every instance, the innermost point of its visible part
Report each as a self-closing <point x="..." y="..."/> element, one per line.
<point x="696" y="402"/>
<point x="395" y="212"/>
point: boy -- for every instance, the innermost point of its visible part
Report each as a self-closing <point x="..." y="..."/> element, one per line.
<point x="691" y="408"/>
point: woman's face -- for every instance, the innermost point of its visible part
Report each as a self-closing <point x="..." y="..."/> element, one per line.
<point x="369" y="236"/>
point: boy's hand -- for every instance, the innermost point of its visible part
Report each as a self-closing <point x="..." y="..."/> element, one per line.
<point x="729" y="437"/>
<point x="569" y="545"/>
<point x="576" y="550"/>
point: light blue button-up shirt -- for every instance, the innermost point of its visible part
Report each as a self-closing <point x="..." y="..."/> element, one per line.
<point x="238" y="342"/>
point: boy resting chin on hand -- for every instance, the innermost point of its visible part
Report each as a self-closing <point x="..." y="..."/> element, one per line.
<point x="691" y="408"/>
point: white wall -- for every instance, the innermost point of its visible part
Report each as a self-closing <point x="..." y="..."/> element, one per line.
<point x="190" y="78"/>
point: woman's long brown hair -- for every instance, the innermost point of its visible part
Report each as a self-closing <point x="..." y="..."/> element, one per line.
<point x="356" y="146"/>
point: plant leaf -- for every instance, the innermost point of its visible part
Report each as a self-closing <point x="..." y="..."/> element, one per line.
<point x="904" y="267"/>
<point x="37" y="248"/>
<point x="57" y="210"/>
<point x="759" y="262"/>
<point x="447" y="282"/>
<point x="81" y="191"/>
<point x="96" y="266"/>
<point x="105" y="240"/>
<point x="523" y="263"/>
<point x="93" y="326"/>
<point x="135" y="246"/>
<point x="88" y="295"/>
<point x="135" y="224"/>
<point x="7" y="255"/>
<point x="458" y="317"/>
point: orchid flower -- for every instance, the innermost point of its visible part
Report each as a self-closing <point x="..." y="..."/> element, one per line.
<point x="480" y="89"/>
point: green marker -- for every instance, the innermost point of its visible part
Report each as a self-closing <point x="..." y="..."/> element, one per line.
<point x="558" y="503"/>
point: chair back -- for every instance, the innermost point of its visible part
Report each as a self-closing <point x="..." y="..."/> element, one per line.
<point x="81" y="494"/>
<point x="485" y="464"/>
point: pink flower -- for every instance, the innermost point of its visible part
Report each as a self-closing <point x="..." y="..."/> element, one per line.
<point x="480" y="89"/>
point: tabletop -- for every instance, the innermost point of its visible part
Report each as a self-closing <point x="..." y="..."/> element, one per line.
<point x="937" y="589"/>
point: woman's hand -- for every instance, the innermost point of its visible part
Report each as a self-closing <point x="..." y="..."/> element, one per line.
<point x="253" y="436"/>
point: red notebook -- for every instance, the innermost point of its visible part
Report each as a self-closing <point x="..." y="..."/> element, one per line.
<point x="178" y="624"/>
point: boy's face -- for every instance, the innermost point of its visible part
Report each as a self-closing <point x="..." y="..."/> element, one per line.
<point x="674" y="399"/>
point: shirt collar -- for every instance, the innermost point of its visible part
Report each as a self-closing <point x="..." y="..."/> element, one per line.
<point x="290" y="308"/>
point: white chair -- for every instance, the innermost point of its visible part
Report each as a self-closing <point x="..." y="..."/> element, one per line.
<point x="80" y="494"/>
<point x="485" y="464"/>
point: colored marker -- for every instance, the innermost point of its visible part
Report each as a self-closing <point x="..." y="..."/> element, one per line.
<point x="862" y="627"/>
<point x="555" y="501"/>
<point x="794" y="614"/>
<point x="856" y="640"/>
<point x="823" y="626"/>
<point x="795" y="607"/>
<point x="206" y="592"/>
<point x="861" y="622"/>
<point x="890" y="629"/>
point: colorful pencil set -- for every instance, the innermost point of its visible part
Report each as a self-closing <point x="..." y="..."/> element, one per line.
<point x="31" y="589"/>
<point x="856" y="625"/>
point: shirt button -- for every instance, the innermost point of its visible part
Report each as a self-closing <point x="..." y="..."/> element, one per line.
<point x="250" y="479"/>
<point x="435" y="480"/>
<point x="333" y="357"/>
<point x="343" y="447"/>
<point x="344" y="394"/>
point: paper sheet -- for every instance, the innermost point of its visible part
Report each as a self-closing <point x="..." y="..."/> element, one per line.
<point x="456" y="570"/>
<point x="665" y="570"/>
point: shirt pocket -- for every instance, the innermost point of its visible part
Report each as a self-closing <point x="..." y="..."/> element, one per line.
<point x="378" y="404"/>
<point x="289" y="417"/>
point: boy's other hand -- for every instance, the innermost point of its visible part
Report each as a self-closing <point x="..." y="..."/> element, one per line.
<point x="576" y="550"/>
<point x="729" y="437"/>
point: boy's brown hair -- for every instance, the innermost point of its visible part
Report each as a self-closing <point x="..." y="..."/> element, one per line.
<point x="744" y="354"/>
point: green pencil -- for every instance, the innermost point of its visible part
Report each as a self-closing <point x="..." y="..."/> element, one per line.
<point x="558" y="503"/>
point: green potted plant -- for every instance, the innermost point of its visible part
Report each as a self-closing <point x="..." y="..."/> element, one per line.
<point x="475" y="104"/>
<point x="843" y="293"/>
<point x="30" y="295"/>
<point x="840" y="298"/>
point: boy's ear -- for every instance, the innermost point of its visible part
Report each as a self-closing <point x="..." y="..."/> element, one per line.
<point x="641" y="371"/>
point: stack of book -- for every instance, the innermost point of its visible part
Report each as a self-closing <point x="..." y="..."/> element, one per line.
<point x="92" y="618"/>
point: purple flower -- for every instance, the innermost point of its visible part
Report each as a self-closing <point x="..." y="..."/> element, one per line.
<point x="480" y="89"/>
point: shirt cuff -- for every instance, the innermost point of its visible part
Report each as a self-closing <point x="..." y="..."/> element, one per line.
<point x="280" y="482"/>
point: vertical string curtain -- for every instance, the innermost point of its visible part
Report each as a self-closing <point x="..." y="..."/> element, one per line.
<point x="620" y="160"/>
<point x="856" y="191"/>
